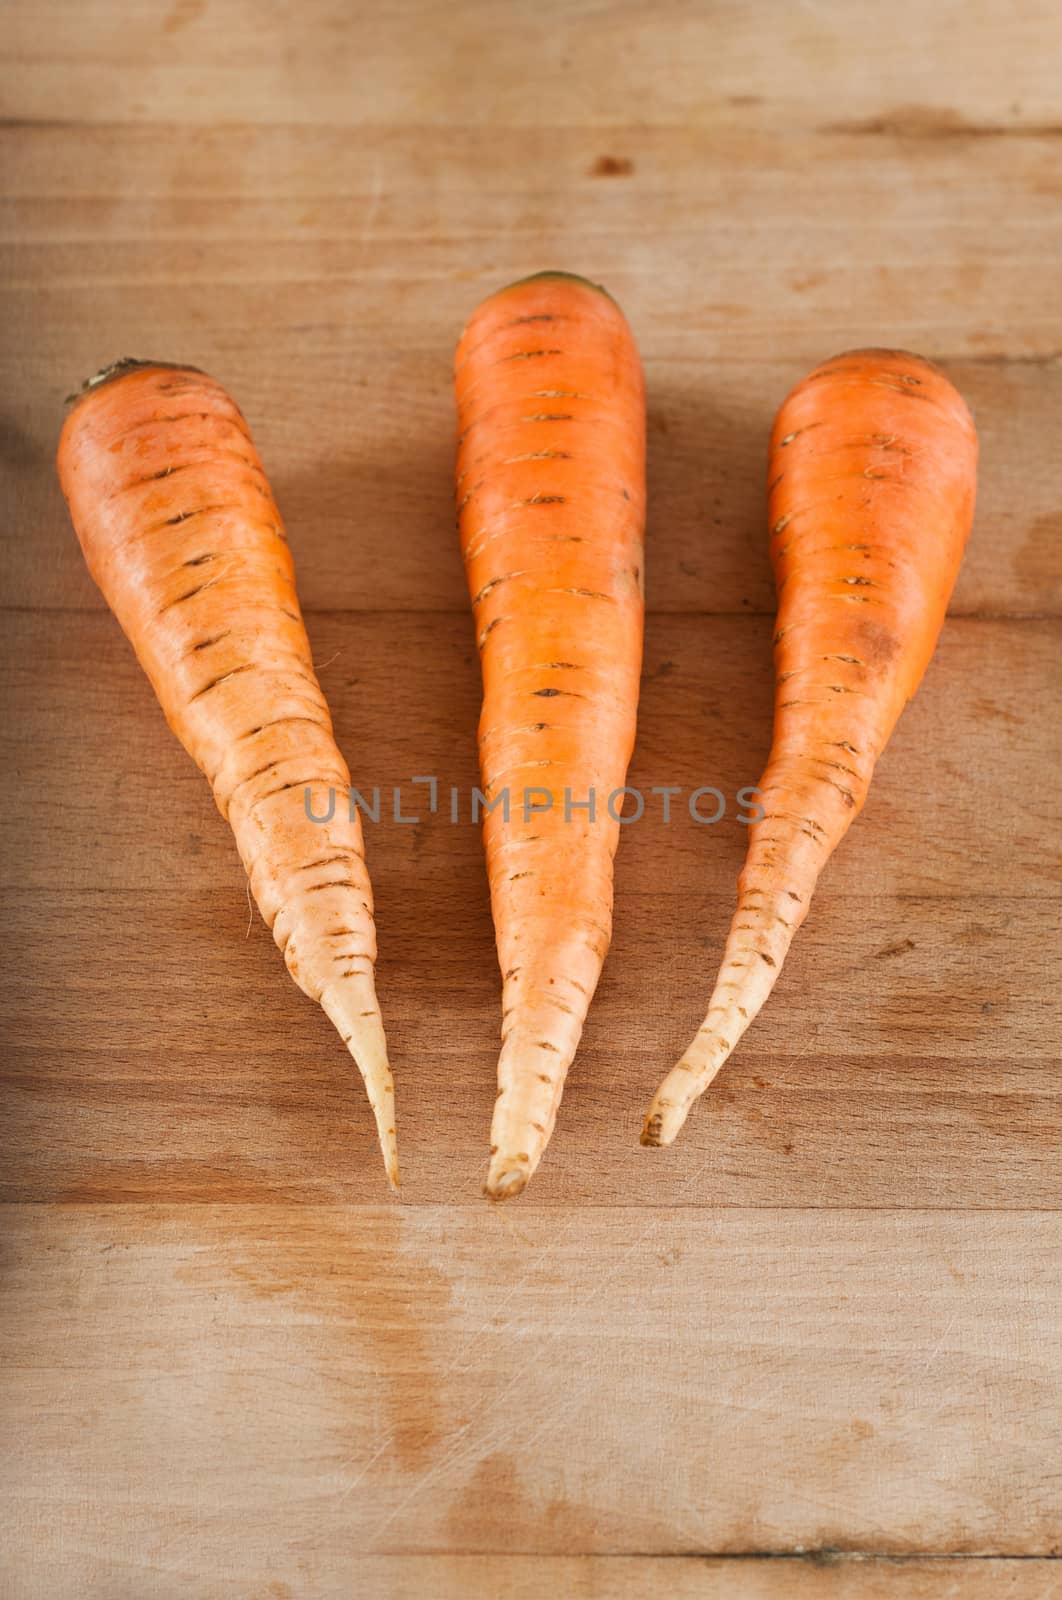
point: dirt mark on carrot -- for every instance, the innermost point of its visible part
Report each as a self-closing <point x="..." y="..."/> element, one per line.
<point x="873" y="643"/>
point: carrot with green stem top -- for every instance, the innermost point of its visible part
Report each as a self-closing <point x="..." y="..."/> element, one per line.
<point x="180" y="531"/>
<point x="871" y="481"/>
<point x="551" y="510"/>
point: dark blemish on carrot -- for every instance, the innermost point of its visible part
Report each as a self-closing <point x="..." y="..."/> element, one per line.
<point x="534" y="455"/>
<point x="298" y="783"/>
<point x="546" y="694"/>
<point x="877" y="642"/>
<point x="198" y="561"/>
<point x="248" y="666"/>
<point x="543" y="1044"/>
<point x="550" y="416"/>
<point x="526" y="355"/>
<point x="493" y="584"/>
<point x="204" y="644"/>
<point x="545" y="500"/>
<point x="258" y="772"/>
<point x="191" y="594"/>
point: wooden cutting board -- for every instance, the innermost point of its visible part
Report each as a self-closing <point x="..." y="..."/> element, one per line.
<point x="826" y="1327"/>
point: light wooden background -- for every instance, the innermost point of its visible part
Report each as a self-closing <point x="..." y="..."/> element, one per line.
<point x="826" y="1328"/>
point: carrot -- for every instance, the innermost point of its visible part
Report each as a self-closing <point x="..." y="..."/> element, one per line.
<point x="872" y="474"/>
<point x="551" y="512"/>
<point x="180" y="531"/>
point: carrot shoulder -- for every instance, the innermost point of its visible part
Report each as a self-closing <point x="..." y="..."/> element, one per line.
<point x="551" y="509"/>
<point x="181" y="533"/>
<point x="871" y="482"/>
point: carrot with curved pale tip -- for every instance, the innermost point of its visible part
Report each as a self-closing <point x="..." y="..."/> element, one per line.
<point x="871" y="483"/>
<point x="551" y="511"/>
<point x="180" y="531"/>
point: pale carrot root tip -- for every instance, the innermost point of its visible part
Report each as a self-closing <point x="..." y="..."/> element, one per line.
<point x="507" y="1184"/>
<point x="653" y="1132"/>
<point x="665" y="1121"/>
<point x="351" y="1008"/>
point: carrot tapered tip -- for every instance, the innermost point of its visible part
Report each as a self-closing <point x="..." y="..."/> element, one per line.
<point x="351" y="1007"/>
<point x="383" y="1114"/>
<point x="663" y="1123"/>
<point x="506" y="1180"/>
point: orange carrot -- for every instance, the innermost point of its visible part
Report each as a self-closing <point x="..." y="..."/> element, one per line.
<point x="872" y="472"/>
<point x="180" y="531"/>
<point x="551" y="511"/>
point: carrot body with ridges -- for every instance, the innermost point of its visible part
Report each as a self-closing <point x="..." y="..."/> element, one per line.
<point x="551" y="511"/>
<point x="871" y="483"/>
<point x="181" y="533"/>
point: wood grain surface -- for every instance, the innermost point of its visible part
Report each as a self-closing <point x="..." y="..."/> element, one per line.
<point x="815" y="1349"/>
